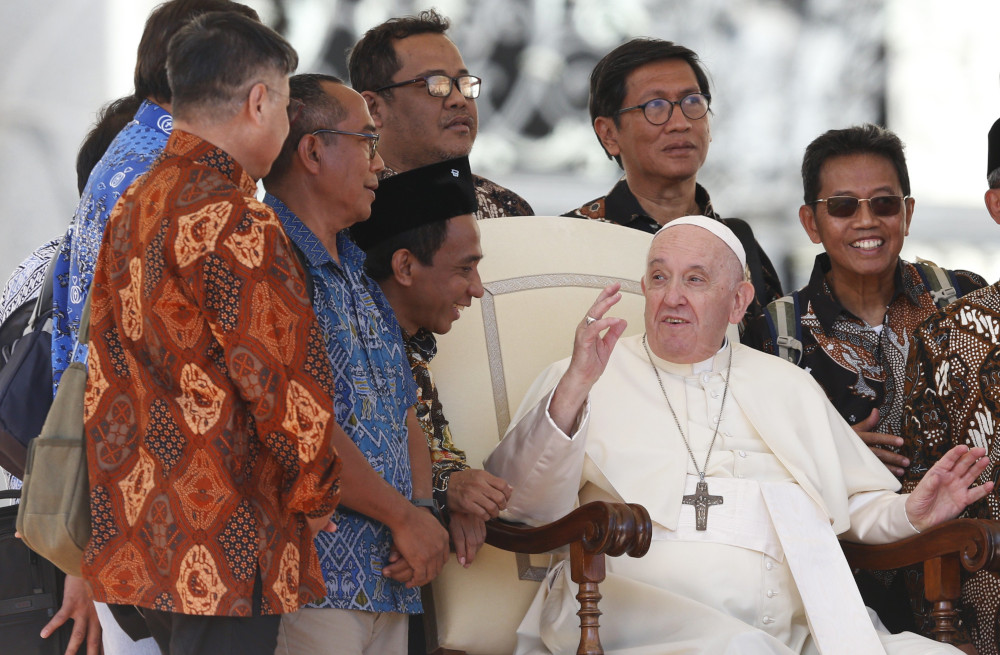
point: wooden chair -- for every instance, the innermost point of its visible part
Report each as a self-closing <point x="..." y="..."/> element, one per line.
<point x="945" y="551"/>
<point x="541" y="274"/>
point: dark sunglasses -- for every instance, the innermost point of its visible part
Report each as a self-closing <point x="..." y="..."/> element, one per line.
<point x="846" y="206"/>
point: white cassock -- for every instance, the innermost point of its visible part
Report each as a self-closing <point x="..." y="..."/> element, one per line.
<point x="767" y="576"/>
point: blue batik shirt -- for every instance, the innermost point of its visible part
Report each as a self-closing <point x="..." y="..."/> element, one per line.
<point x="130" y="154"/>
<point x="374" y="391"/>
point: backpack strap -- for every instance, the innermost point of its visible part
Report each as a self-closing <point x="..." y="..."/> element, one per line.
<point x="940" y="282"/>
<point x="43" y="304"/>
<point x="744" y="233"/>
<point x="782" y="316"/>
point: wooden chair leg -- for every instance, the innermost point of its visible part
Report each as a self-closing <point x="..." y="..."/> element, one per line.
<point x="587" y="570"/>
<point x="942" y="587"/>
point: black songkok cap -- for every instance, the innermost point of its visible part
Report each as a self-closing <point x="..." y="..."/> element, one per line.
<point x="417" y="197"/>
<point x="993" y="148"/>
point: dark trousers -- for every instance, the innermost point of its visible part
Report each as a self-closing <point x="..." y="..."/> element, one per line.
<point x="186" y="634"/>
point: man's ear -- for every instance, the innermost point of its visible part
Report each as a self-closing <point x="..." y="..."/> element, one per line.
<point x="807" y="216"/>
<point x="309" y="152"/>
<point x="376" y="105"/>
<point x="744" y="296"/>
<point x="255" y="102"/>
<point x="607" y="132"/>
<point x="402" y="267"/>
<point x="992" y="199"/>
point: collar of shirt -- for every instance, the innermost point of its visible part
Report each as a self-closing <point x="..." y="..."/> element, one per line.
<point x="200" y="151"/>
<point x="423" y="343"/>
<point x="351" y="256"/>
<point x="622" y="207"/>
<point x="154" y="116"/>
<point x="825" y="304"/>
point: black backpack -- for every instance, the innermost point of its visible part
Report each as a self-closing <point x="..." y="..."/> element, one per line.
<point x="25" y="375"/>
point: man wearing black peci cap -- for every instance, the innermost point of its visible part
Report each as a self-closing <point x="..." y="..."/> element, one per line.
<point x="952" y="379"/>
<point x="385" y="546"/>
<point x="423" y="250"/>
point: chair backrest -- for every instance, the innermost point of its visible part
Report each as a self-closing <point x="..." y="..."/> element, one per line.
<point x="541" y="275"/>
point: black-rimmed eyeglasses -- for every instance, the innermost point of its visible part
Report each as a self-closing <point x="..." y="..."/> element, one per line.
<point x="440" y="86"/>
<point x="659" y="110"/>
<point x="371" y="136"/>
<point x="847" y="206"/>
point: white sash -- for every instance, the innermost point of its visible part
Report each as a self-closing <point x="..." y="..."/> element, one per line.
<point x="838" y="620"/>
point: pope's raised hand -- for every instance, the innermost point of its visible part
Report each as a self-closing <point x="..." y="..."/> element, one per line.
<point x="595" y="338"/>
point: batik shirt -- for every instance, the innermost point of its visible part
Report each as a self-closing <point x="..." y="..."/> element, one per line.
<point x="25" y="283"/>
<point x="953" y="398"/>
<point x="208" y="411"/>
<point x="861" y="367"/>
<point x="374" y="391"/>
<point x="130" y="154"/>
<point x="621" y="206"/>
<point x="445" y="457"/>
<point x="494" y="200"/>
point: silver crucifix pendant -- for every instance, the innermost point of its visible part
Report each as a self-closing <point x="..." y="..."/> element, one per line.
<point x="701" y="501"/>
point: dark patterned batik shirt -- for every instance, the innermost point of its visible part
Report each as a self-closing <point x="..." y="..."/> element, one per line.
<point x="374" y="392"/>
<point x="445" y="457"/>
<point x="861" y="367"/>
<point x="209" y="405"/>
<point x="953" y="398"/>
<point x="494" y="200"/>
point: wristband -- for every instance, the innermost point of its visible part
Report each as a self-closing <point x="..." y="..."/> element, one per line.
<point x="430" y="504"/>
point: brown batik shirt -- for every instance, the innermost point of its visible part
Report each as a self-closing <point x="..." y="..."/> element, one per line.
<point x="953" y="398"/>
<point x="209" y="404"/>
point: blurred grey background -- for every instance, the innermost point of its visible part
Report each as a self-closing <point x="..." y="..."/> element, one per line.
<point x="782" y="71"/>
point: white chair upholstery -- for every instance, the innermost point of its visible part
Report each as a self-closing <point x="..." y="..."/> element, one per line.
<point x="541" y="275"/>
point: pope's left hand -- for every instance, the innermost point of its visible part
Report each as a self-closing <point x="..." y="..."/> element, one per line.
<point x="944" y="491"/>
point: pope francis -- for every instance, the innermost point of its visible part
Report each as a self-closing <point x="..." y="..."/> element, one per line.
<point x="748" y="473"/>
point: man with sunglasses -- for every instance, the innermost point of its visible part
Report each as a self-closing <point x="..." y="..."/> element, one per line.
<point x="650" y="108"/>
<point x="385" y="546"/>
<point x="851" y="325"/>
<point x="423" y="100"/>
<point x="951" y="399"/>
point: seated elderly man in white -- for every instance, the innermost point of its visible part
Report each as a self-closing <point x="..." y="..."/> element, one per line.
<point x="748" y="473"/>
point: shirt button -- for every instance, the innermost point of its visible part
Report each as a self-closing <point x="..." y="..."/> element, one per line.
<point x="767" y="620"/>
<point x="715" y="394"/>
<point x="743" y="453"/>
<point x="768" y="565"/>
<point x="770" y="593"/>
<point x="706" y="377"/>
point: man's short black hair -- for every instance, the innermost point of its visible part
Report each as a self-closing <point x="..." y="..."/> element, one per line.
<point x="151" y="58"/>
<point x="423" y="242"/>
<point x="319" y="111"/>
<point x="372" y="61"/>
<point x="864" y="139"/>
<point x="607" y="81"/>
<point x="212" y="60"/>
<point x="112" y="118"/>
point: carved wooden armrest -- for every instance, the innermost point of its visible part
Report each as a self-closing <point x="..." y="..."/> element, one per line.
<point x="591" y="531"/>
<point x="944" y="550"/>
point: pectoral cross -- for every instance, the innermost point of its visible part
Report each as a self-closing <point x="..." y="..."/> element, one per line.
<point x="701" y="501"/>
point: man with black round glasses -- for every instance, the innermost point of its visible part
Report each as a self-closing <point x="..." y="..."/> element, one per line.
<point x="423" y="100"/>
<point x="650" y="106"/>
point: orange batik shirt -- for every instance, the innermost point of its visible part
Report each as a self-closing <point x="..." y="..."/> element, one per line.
<point x="209" y="398"/>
